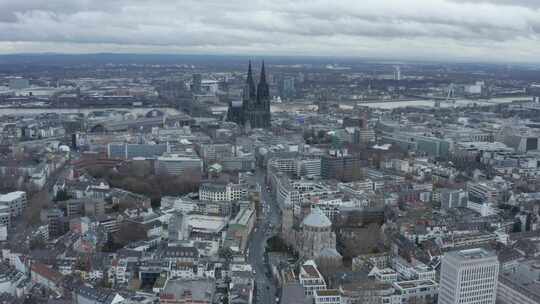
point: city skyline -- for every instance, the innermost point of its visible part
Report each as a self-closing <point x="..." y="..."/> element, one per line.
<point x="270" y="152"/>
<point x="496" y="31"/>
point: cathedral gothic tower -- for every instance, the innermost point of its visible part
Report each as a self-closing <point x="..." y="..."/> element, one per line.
<point x="254" y="110"/>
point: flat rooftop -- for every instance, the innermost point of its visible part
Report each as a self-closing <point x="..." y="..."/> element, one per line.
<point x="207" y="222"/>
<point x="524" y="279"/>
<point x="311" y="271"/>
<point x="387" y="271"/>
<point x="472" y="254"/>
<point x="415" y="284"/>
<point x="328" y="292"/>
<point x="199" y="290"/>
<point x="11" y="196"/>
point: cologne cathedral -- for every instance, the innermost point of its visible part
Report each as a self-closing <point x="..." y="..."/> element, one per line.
<point x="254" y="109"/>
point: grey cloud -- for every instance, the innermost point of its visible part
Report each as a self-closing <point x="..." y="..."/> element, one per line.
<point x="350" y="26"/>
<point x="525" y="3"/>
<point x="10" y="8"/>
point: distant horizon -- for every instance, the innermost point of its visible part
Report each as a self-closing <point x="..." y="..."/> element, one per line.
<point x="270" y="57"/>
<point x="492" y="31"/>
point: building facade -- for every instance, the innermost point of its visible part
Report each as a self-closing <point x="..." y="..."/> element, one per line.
<point x="175" y="164"/>
<point x="15" y="201"/>
<point x="217" y="192"/>
<point x="130" y="151"/>
<point x="469" y="276"/>
<point x="519" y="284"/>
<point x="311" y="279"/>
<point x="341" y="166"/>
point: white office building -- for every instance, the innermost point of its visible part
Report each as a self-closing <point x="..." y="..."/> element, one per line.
<point x="330" y="296"/>
<point x="15" y="201"/>
<point x="469" y="277"/>
<point x="310" y="167"/>
<point x="286" y="165"/>
<point x="175" y="164"/>
<point x="215" y="192"/>
<point x="415" y="291"/>
<point x="5" y="216"/>
<point x="311" y="279"/>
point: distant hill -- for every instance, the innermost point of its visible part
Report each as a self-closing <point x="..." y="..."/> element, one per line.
<point x="104" y="58"/>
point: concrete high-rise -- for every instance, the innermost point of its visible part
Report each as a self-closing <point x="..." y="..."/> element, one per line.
<point x="286" y="87"/>
<point x="397" y="73"/>
<point x="469" y="277"/>
<point x="196" y="83"/>
<point x="341" y="166"/>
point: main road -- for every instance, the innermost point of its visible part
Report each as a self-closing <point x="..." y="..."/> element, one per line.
<point x="267" y="225"/>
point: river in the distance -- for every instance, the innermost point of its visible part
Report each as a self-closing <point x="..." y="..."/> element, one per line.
<point x="85" y="111"/>
<point x="279" y="107"/>
<point x="430" y="103"/>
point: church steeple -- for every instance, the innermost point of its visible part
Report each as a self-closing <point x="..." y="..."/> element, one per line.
<point x="263" y="74"/>
<point x="263" y="92"/>
<point x="249" y="91"/>
<point x="254" y="111"/>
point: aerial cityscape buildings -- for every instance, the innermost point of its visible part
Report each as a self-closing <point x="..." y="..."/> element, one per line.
<point x="340" y="181"/>
<point x="269" y="152"/>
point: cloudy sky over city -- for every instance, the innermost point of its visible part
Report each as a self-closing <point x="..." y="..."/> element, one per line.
<point x="490" y="30"/>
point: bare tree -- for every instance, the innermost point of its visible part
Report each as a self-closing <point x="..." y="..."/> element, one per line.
<point x="139" y="177"/>
<point x="364" y="240"/>
<point x="37" y="201"/>
<point x="129" y="232"/>
<point x="329" y="266"/>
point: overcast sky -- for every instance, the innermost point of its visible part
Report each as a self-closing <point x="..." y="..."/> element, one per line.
<point x="490" y="30"/>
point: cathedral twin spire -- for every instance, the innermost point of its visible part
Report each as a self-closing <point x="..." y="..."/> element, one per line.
<point x="250" y="84"/>
<point x="255" y="110"/>
<point x="262" y="91"/>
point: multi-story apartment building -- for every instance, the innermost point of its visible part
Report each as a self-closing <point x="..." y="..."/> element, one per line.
<point x="311" y="279"/>
<point x="215" y="192"/>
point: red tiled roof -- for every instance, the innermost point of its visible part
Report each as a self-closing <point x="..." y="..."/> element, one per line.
<point x="46" y="272"/>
